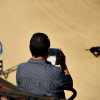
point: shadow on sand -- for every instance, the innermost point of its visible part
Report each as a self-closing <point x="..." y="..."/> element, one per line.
<point x="10" y="70"/>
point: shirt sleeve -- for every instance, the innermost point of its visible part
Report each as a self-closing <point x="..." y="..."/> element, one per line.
<point x="64" y="81"/>
<point x="17" y="76"/>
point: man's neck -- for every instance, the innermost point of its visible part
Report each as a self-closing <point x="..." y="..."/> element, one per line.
<point x="39" y="58"/>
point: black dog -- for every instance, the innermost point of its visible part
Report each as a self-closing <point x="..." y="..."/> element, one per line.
<point x="95" y="50"/>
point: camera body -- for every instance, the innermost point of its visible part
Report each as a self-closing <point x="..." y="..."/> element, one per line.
<point x="53" y="51"/>
<point x="52" y="56"/>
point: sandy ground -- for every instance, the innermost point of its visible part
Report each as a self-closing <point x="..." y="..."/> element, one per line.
<point x="72" y="25"/>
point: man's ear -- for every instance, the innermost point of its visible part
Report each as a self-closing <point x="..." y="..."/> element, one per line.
<point x="48" y="49"/>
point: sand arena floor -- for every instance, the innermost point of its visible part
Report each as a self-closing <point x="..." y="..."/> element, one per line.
<point x="72" y="25"/>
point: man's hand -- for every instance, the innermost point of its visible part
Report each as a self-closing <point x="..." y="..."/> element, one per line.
<point x="61" y="59"/>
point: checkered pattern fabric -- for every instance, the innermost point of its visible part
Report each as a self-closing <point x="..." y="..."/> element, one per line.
<point x="40" y="77"/>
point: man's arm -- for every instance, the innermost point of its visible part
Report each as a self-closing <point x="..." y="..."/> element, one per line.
<point x="67" y="74"/>
<point x="62" y="61"/>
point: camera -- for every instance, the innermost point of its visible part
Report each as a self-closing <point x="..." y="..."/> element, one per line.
<point x="52" y="56"/>
<point x="53" y="51"/>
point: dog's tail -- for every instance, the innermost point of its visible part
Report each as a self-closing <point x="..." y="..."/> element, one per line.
<point x="87" y="49"/>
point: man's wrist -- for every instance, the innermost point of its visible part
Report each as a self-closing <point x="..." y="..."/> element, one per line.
<point x="63" y="66"/>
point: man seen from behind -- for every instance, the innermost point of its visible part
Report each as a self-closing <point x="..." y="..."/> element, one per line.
<point x="38" y="76"/>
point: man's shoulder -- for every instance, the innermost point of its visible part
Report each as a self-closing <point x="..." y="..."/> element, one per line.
<point x="56" y="68"/>
<point x="21" y="65"/>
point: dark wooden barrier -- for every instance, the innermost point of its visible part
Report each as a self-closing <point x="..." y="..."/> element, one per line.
<point x="14" y="95"/>
<point x="10" y="94"/>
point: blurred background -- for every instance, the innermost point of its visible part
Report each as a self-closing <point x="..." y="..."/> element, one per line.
<point x="72" y="25"/>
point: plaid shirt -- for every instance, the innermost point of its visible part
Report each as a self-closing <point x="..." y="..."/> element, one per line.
<point x="40" y="77"/>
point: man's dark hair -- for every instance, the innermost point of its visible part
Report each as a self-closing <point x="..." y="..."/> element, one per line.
<point x="39" y="44"/>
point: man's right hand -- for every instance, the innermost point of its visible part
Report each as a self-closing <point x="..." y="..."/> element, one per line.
<point x="61" y="59"/>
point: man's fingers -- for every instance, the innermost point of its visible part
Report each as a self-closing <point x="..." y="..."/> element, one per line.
<point x="61" y="53"/>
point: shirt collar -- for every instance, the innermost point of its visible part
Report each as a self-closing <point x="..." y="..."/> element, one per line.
<point x="31" y="60"/>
